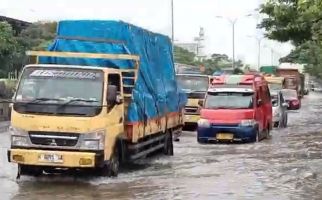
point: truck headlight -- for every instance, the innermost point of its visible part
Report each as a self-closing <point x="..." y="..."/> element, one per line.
<point x="19" y="137"/>
<point x="248" y="122"/>
<point x="93" y="141"/>
<point x="204" y="123"/>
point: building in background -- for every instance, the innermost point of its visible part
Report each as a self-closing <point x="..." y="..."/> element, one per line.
<point x="197" y="47"/>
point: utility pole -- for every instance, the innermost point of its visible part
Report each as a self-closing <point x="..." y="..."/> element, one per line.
<point x="172" y="23"/>
<point x="259" y="42"/>
<point x="233" y="23"/>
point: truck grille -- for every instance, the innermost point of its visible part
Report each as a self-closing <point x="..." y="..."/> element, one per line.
<point x="53" y="138"/>
<point x="191" y="110"/>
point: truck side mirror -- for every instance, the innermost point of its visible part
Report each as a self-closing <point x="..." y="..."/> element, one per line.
<point x="200" y="103"/>
<point x="111" y="95"/>
<point x="119" y="99"/>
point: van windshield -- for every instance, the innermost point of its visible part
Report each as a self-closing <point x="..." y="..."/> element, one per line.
<point x="229" y="100"/>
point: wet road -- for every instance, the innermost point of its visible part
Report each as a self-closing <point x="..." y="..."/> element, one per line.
<point x="287" y="166"/>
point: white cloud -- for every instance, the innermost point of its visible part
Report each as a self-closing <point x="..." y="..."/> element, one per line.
<point x="155" y="15"/>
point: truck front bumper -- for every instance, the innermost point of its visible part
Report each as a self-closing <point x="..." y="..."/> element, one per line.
<point x="220" y="133"/>
<point x="191" y="119"/>
<point x="65" y="159"/>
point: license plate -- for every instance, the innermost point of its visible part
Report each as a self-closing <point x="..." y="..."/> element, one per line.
<point x="51" y="158"/>
<point x="224" y="136"/>
<point x="192" y="118"/>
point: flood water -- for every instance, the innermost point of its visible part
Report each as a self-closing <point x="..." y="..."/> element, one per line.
<point x="286" y="166"/>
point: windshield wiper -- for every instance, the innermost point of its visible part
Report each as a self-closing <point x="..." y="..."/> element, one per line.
<point x="78" y="99"/>
<point x="43" y="99"/>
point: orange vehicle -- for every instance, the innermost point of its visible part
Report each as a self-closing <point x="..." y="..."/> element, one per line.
<point x="236" y="108"/>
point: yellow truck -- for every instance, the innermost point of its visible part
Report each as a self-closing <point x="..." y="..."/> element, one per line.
<point x="195" y="86"/>
<point x="79" y="117"/>
<point x="275" y="83"/>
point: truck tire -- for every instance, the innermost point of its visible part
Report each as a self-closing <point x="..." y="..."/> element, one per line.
<point x="29" y="170"/>
<point x="111" y="168"/>
<point x="168" y="144"/>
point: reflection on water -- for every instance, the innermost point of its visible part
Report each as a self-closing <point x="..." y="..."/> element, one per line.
<point x="287" y="166"/>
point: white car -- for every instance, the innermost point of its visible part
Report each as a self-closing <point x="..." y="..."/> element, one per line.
<point x="279" y="108"/>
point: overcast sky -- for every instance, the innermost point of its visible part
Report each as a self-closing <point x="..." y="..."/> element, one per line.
<point x="155" y="15"/>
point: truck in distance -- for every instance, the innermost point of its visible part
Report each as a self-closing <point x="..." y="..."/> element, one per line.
<point x="72" y="111"/>
<point x="195" y="86"/>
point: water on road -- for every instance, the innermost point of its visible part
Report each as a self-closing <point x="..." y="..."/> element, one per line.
<point x="287" y="166"/>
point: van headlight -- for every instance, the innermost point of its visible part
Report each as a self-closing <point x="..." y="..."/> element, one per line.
<point x="93" y="141"/>
<point x="19" y="137"/>
<point x="248" y="122"/>
<point x="204" y="123"/>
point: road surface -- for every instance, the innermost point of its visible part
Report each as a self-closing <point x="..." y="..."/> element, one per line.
<point x="287" y="166"/>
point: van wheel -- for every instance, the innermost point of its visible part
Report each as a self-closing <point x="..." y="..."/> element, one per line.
<point x="111" y="169"/>
<point x="267" y="133"/>
<point x="168" y="144"/>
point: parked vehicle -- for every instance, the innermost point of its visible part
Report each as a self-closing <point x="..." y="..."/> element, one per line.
<point x="280" y="116"/>
<point x="94" y="111"/>
<point x="291" y="97"/>
<point x="237" y="108"/>
<point x="195" y="86"/>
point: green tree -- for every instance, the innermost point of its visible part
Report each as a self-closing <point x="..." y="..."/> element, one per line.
<point x="38" y="36"/>
<point x="298" y="21"/>
<point x="184" y="56"/>
<point x="9" y="49"/>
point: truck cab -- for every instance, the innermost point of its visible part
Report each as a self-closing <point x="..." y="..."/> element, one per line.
<point x="195" y="86"/>
<point x="69" y="117"/>
<point x="237" y="108"/>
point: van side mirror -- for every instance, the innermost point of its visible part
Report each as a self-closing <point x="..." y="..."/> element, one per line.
<point x="111" y="95"/>
<point x="259" y="102"/>
<point x="200" y="103"/>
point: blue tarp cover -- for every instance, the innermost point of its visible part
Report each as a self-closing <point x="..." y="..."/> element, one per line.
<point x="156" y="92"/>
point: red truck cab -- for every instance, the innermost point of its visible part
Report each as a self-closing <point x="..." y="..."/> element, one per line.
<point x="237" y="108"/>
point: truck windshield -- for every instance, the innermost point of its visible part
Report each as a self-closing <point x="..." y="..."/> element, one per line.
<point x="275" y="86"/>
<point x="290" y="82"/>
<point x="193" y="83"/>
<point x="229" y="100"/>
<point x="59" y="88"/>
<point x="289" y="94"/>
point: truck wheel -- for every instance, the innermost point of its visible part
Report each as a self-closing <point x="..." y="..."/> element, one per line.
<point x="111" y="169"/>
<point x="168" y="144"/>
<point x="29" y="170"/>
